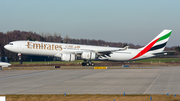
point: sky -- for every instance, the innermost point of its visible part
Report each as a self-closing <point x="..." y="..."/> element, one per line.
<point x="127" y="21"/>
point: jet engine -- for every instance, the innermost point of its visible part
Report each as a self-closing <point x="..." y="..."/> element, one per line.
<point x="89" y="55"/>
<point x="68" y="57"/>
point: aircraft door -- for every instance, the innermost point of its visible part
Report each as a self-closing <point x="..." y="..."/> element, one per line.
<point x="20" y="45"/>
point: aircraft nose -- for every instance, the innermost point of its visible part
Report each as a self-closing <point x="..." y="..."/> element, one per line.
<point x="5" y="46"/>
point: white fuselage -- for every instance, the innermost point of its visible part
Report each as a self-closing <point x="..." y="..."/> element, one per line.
<point x="57" y="49"/>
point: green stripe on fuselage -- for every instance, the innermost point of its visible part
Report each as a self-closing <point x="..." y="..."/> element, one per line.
<point x="165" y="36"/>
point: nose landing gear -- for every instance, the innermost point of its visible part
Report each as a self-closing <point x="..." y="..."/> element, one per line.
<point x="20" y="61"/>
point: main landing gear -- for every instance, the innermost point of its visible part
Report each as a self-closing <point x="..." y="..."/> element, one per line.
<point x="87" y="63"/>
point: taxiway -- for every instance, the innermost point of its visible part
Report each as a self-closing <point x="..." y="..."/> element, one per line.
<point x="161" y="80"/>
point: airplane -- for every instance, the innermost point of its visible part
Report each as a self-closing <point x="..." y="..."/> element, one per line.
<point x="70" y="52"/>
<point x="4" y="64"/>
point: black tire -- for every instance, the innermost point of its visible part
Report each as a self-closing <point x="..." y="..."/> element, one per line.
<point x="83" y="64"/>
<point x="87" y="64"/>
<point x="92" y="64"/>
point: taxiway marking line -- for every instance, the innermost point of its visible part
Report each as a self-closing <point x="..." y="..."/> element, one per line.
<point x="153" y="82"/>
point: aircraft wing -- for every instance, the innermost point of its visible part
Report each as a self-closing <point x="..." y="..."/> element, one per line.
<point x="98" y="52"/>
<point x="164" y="52"/>
<point x="107" y="52"/>
<point x="102" y="52"/>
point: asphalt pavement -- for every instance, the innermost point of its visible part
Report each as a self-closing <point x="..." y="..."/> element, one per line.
<point x="161" y="80"/>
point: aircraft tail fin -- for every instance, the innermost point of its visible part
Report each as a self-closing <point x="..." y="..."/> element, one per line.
<point x="159" y="42"/>
<point x="157" y="45"/>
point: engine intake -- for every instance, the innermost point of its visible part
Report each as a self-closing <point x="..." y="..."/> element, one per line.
<point x="89" y="55"/>
<point x="68" y="57"/>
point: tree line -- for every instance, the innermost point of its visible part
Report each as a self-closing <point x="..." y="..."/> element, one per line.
<point x="33" y="36"/>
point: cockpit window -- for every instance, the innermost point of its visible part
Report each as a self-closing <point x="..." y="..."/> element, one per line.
<point x="10" y="43"/>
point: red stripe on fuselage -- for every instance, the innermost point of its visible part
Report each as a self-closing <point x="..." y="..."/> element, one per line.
<point x="146" y="49"/>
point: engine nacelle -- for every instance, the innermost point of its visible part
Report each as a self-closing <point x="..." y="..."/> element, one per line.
<point x="68" y="57"/>
<point x="89" y="55"/>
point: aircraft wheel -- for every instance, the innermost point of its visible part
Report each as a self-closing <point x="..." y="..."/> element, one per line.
<point x="83" y="64"/>
<point x="92" y="64"/>
<point x="87" y="64"/>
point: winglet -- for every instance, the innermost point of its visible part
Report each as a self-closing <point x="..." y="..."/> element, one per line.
<point x="125" y="48"/>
